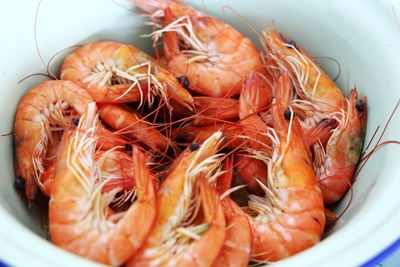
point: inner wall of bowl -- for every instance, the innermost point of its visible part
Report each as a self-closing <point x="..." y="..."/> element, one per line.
<point x="325" y="29"/>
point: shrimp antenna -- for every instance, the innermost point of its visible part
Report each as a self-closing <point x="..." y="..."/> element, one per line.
<point x="243" y="19"/>
<point x="49" y="73"/>
<point x="337" y="63"/>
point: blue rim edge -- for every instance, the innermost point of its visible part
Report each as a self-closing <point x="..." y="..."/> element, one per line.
<point x="383" y="255"/>
<point x="372" y="262"/>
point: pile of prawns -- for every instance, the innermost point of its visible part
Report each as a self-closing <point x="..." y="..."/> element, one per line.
<point x="146" y="160"/>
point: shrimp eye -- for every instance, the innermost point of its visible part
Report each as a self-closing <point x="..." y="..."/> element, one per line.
<point x="194" y="146"/>
<point x="128" y="147"/>
<point x="287" y="114"/>
<point x="19" y="183"/>
<point x="184" y="81"/>
<point x="75" y="121"/>
<point x="360" y="105"/>
<point x="290" y="43"/>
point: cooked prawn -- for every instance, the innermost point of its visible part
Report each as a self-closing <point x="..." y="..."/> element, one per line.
<point x="42" y="110"/>
<point x="214" y="56"/>
<point x="290" y="216"/>
<point x="336" y="162"/>
<point x="255" y="95"/>
<point x="113" y="165"/>
<point x="208" y="110"/>
<point x="198" y="134"/>
<point x="237" y="246"/>
<point x="78" y="217"/>
<point x="118" y="73"/>
<point x="319" y="96"/>
<point x="180" y="237"/>
<point x="127" y="121"/>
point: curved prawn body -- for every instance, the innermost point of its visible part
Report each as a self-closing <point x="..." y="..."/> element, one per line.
<point x="290" y="216"/>
<point x="42" y="111"/>
<point x="128" y="122"/>
<point x="118" y="73"/>
<point x="214" y="56"/>
<point x="180" y="237"/>
<point x="319" y="95"/>
<point x="78" y="209"/>
<point x="198" y="134"/>
<point x="237" y="246"/>
<point x="256" y="94"/>
<point x="210" y="109"/>
<point x="335" y="164"/>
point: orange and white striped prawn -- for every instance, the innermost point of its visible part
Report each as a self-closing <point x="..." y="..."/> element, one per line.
<point x="119" y="73"/>
<point x="256" y="94"/>
<point x="237" y="246"/>
<point x="289" y="217"/>
<point x="114" y="166"/>
<point x="42" y="115"/>
<point x="42" y="111"/>
<point x="180" y="237"/>
<point x="128" y="122"/>
<point x="214" y="56"/>
<point x="318" y="96"/>
<point x="79" y="218"/>
<point x="335" y="162"/>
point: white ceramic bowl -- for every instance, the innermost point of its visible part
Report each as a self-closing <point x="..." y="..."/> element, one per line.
<point x="361" y="34"/>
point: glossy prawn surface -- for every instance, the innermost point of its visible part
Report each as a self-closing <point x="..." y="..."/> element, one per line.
<point x="214" y="56"/>
<point x="290" y="216"/>
<point x="208" y="110"/>
<point x="336" y="162"/>
<point x="181" y="236"/>
<point x="118" y="73"/>
<point x="127" y="121"/>
<point x="78" y="210"/>
<point x="42" y="111"/>
<point x="256" y="95"/>
<point x="318" y="95"/>
<point x="115" y="166"/>
<point x="237" y="246"/>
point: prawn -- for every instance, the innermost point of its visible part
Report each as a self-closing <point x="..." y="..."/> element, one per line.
<point x="127" y="121"/>
<point x="41" y="111"/>
<point x="180" y="237"/>
<point x="237" y="246"/>
<point x="318" y="95"/>
<point x="336" y="162"/>
<point x="290" y="216"/>
<point x="189" y="133"/>
<point x="114" y="165"/>
<point x="214" y="56"/>
<point x="210" y="109"/>
<point x="118" y="73"/>
<point x="78" y="218"/>
<point x="255" y="95"/>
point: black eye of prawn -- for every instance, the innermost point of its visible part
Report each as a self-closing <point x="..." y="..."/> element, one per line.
<point x="19" y="183"/>
<point x="288" y="114"/>
<point x="291" y="43"/>
<point x="184" y="81"/>
<point x="128" y="147"/>
<point x="194" y="146"/>
<point x="75" y="121"/>
<point x="360" y="105"/>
